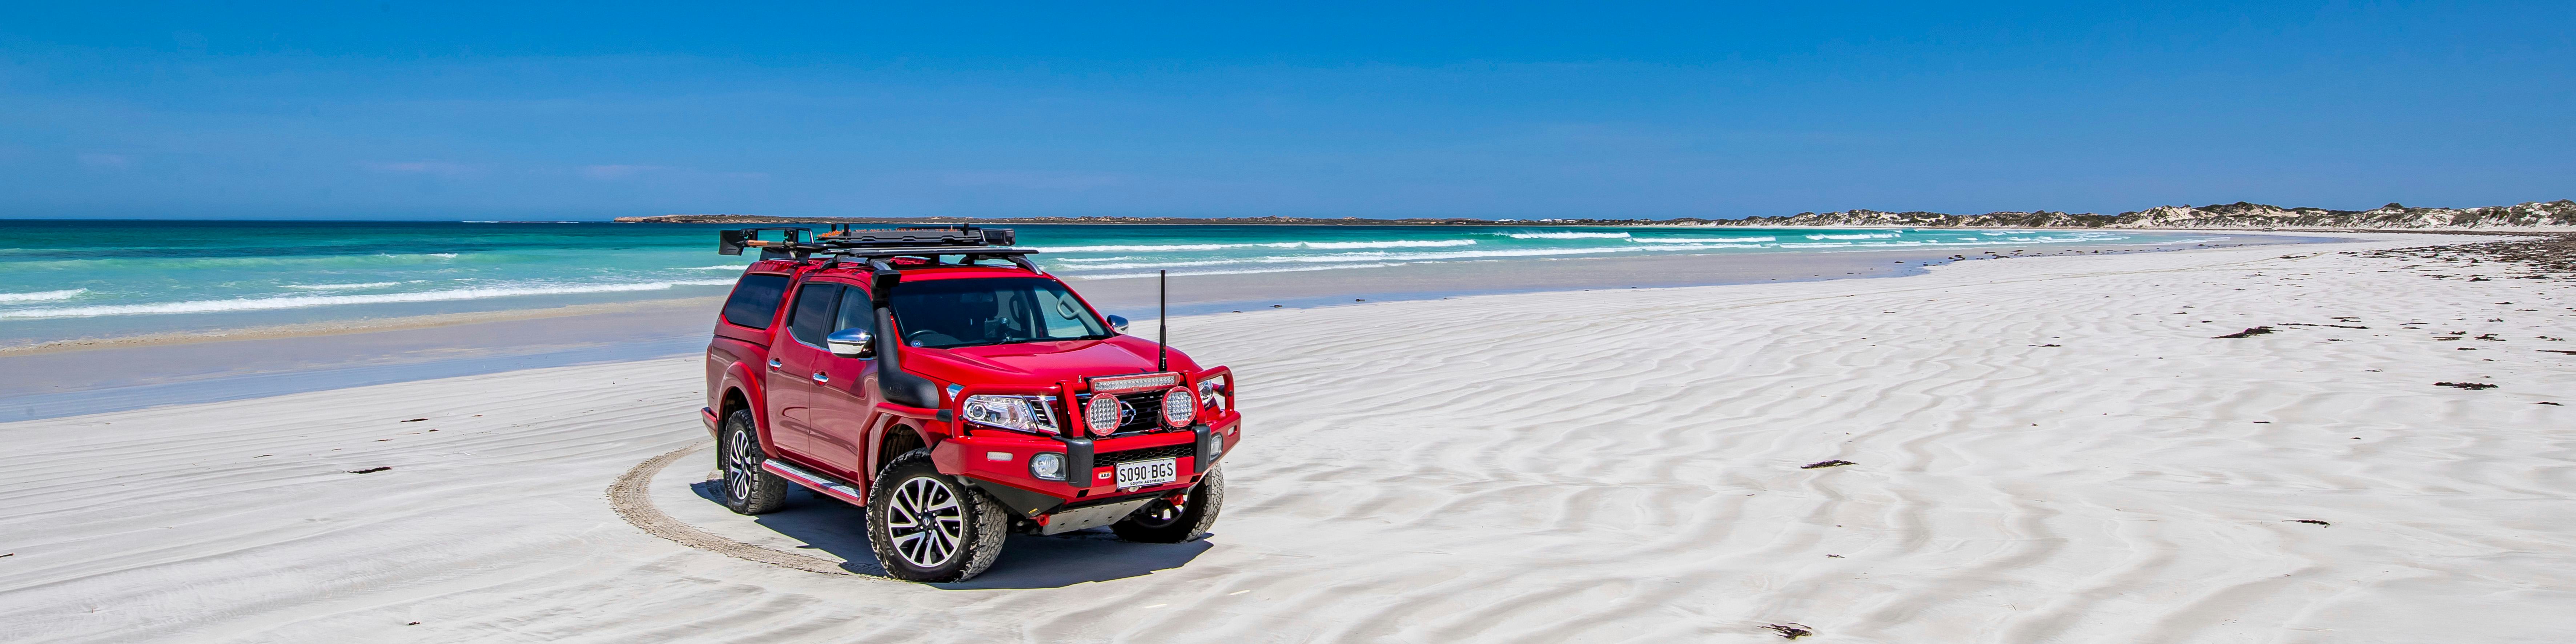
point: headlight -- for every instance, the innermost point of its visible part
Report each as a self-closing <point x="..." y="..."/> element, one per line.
<point x="1178" y="407"/>
<point x="1208" y="391"/>
<point x="1017" y="413"/>
<point x="1047" y="466"/>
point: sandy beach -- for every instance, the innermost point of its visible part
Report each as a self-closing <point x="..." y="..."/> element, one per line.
<point x="2218" y="445"/>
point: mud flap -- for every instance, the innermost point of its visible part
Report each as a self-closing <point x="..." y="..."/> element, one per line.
<point x="1209" y="448"/>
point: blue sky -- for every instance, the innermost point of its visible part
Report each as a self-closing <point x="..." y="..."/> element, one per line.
<point x="473" y="111"/>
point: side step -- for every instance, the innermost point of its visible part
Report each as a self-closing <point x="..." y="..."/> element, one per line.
<point x="819" y="484"/>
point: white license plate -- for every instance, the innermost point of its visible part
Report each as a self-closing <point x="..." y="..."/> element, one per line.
<point x="1144" y="473"/>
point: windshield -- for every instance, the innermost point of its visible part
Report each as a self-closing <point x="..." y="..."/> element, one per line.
<point x="996" y="310"/>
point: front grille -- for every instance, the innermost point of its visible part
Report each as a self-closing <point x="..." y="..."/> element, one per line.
<point x="1149" y="412"/>
<point x="1106" y="459"/>
<point x="1148" y="407"/>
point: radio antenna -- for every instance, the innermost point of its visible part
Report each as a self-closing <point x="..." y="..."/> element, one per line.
<point x="1162" y="320"/>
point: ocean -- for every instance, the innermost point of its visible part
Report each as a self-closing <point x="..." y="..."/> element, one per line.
<point x="75" y="279"/>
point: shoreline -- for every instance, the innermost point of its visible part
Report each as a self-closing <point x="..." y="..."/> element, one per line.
<point x="111" y="374"/>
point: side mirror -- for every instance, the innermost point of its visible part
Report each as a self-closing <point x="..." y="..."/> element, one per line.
<point x="851" y="343"/>
<point x="1118" y="322"/>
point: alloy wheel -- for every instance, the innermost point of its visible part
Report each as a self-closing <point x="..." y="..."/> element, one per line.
<point x="926" y="522"/>
<point x="741" y="463"/>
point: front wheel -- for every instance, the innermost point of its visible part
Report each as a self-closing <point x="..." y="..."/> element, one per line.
<point x="924" y="526"/>
<point x="1162" y="521"/>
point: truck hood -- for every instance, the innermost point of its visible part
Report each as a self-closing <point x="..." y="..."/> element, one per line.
<point x="1039" y="364"/>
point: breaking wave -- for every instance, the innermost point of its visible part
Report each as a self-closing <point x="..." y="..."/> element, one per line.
<point x="1701" y="240"/>
<point x="305" y="301"/>
<point x="1563" y="235"/>
<point x="1147" y="248"/>
<point x="1248" y="271"/>
<point x="43" y="296"/>
<point x="342" y="287"/>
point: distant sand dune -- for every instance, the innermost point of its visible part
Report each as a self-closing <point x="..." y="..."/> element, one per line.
<point x="2046" y="449"/>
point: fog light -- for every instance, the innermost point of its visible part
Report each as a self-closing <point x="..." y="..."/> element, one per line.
<point x="1101" y="413"/>
<point x="1179" y="407"/>
<point x="1047" y="466"/>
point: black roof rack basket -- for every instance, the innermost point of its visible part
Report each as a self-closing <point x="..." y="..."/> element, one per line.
<point x="843" y="240"/>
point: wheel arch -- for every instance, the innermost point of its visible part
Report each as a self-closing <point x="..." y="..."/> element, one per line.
<point x="898" y="439"/>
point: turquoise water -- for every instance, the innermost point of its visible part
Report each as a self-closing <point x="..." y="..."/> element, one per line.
<point x="65" y="279"/>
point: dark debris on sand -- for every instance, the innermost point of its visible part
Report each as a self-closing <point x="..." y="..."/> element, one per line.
<point x="2542" y="258"/>
<point x="2314" y="521"/>
<point x="2260" y="330"/>
<point x="1832" y="463"/>
<point x="2472" y="386"/>
<point x="1792" y="630"/>
<point x="372" y="470"/>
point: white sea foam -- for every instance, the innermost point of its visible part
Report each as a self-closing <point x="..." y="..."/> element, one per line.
<point x="1120" y="258"/>
<point x="306" y="301"/>
<point x="1425" y="243"/>
<point x="1854" y="236"/>
<point x="341" y="287"/>
<point x="1381" y="256"/>
<point x="1563" y="235"/>
<point x="1249" y="271"/>
<point x="43" y="296"/>
<point x="1701" y="240"/>
<point x="1148" y="248"/>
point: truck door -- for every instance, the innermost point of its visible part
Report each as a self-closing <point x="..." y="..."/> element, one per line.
<point x="844" y="405"/>
<point x="794" y="362"/>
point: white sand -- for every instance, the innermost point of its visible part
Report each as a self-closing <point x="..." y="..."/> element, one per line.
<point x="1599" y="466"/>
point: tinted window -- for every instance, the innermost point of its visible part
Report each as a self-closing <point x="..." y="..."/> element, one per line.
<point x="999" y="310"/>
<point x="855" y="312"/>
<point x="755" y="300"/>
<point x="812" y="317"/>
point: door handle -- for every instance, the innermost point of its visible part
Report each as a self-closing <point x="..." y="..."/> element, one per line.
<point x="773" y="364"/>
<point x="822" y="377"/>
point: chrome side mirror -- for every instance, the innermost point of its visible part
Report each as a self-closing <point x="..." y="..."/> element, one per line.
<point x="851" y="343"/>
<point x="1118" y="322"/>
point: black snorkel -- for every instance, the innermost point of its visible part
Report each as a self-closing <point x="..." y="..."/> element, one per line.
<point x="894" y="385"/>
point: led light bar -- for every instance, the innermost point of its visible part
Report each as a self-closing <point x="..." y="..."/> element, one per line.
<point x="1139" y="382"/>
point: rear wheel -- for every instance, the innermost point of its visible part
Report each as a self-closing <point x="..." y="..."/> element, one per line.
<point x="925" y="526"/>
<point x="1162" y="521"/>
<point x="747" y="488"/>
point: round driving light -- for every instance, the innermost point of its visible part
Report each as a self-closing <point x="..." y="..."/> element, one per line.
<point x="1100" y="412"/>
<point x="1179" y="407"/>
<point x="1047" y="466"/>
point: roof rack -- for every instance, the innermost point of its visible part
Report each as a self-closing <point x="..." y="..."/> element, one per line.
<point x="841" y="240"/>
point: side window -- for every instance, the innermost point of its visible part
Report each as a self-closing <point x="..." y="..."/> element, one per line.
<point x="812" y="317"/>
<point x="1063" y="316"/>
<point x="855" y="312"/>
<point x="755" y="300"/>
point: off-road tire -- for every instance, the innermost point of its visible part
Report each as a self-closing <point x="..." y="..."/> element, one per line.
<point x="747" y="489"/>
<point x="981" y="524"/>
<point x="1156" y="523"/>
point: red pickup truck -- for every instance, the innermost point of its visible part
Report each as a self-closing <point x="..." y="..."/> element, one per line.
<point x="941" y="380"/>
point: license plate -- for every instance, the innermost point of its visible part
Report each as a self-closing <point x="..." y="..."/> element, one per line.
<point x="1144" y="473"/>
